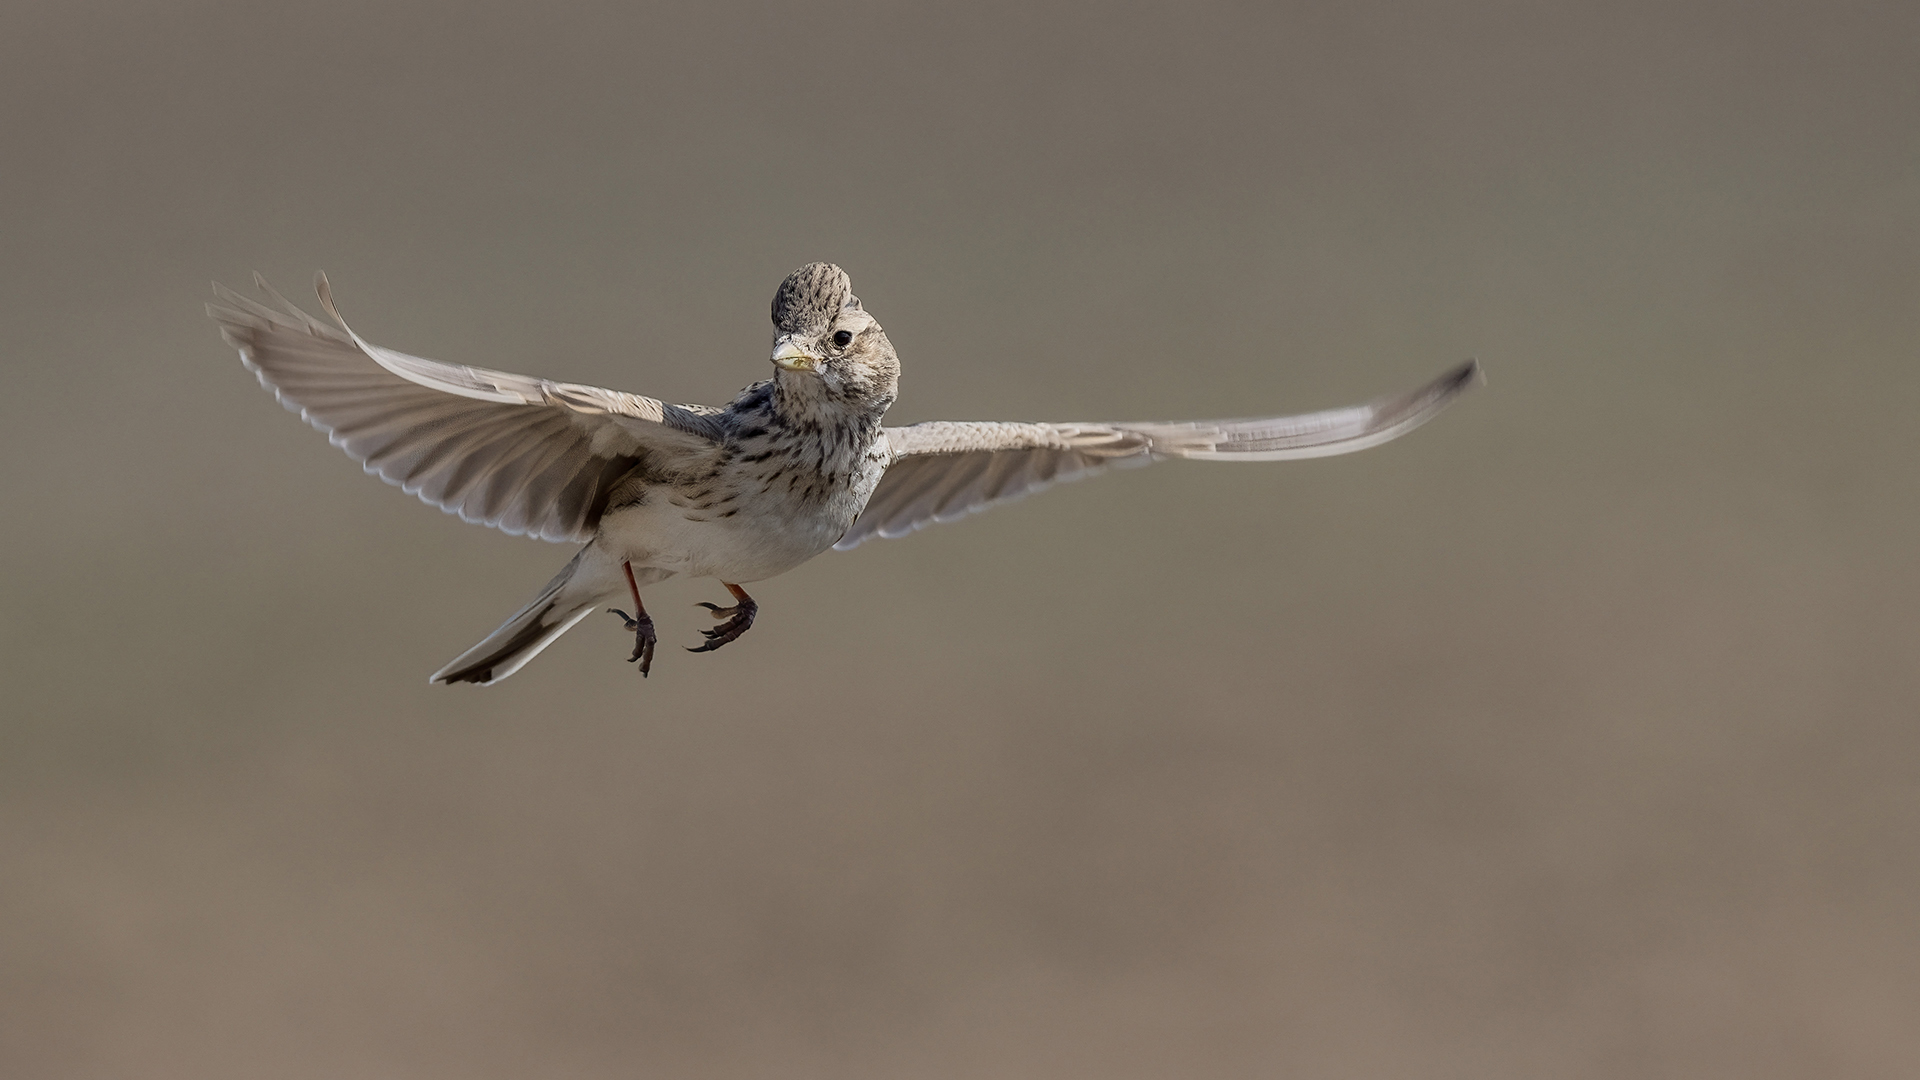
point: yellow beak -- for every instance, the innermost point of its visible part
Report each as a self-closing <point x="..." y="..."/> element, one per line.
<point x="792" y="357"/>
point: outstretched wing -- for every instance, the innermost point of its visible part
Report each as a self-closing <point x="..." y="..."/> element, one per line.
<point x="520" y="454"/>
<point x="943" y="471"/>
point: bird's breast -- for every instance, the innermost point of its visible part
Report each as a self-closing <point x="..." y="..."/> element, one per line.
<point x="773" y="503"/>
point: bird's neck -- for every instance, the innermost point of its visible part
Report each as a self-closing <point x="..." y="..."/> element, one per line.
<point x="805" y="402"/>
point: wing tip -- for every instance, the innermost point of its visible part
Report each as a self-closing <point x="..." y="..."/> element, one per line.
<point x="1427" y="402"/>
<point x="1465" y="377"/>
<point x="324" y="290"/>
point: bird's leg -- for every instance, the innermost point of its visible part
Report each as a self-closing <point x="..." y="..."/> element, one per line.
<point x="739" y="617"/>
<point x="639" y="623"/>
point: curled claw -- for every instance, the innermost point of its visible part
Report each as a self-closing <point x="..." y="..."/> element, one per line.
<point x="644" y="638"/>
<point x="739" y="619"/>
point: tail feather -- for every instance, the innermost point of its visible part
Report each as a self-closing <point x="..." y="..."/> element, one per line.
<point x="521" y="637"/>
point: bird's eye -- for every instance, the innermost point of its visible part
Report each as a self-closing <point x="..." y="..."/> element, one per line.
<point x="843" y="339"/>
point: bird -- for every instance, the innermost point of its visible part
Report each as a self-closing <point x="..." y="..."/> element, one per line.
<point x="794" y="465"/>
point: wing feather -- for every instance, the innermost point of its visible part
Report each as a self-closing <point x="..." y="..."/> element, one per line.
<point x="525" y="455"/>
<point x="944" y="470"/>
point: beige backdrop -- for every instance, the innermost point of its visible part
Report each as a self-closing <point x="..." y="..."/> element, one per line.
<point x="1574" y="735"/>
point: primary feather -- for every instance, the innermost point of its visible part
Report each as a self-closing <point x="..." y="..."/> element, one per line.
<point x="523" y="455"/>
<point x="943" y="470"/>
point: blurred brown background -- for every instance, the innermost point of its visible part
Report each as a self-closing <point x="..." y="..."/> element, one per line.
<point x="1573" y="736"/>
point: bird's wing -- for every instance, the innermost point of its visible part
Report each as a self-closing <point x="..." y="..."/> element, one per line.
<point x="524" y="455"/>
<point x="943" y="471"/>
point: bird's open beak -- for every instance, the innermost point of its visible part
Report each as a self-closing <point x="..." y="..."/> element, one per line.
<point x="789" y="355"/>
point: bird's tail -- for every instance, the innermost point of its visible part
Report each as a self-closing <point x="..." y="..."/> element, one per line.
<point x="521" y="638"/>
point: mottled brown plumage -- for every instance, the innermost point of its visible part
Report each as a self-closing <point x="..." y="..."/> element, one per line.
<point x="793" y="465"/>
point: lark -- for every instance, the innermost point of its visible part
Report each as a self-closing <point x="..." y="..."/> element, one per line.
<point x="794" y="465"/>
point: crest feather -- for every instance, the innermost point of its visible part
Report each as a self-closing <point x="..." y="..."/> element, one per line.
<point x="810" y="297"/>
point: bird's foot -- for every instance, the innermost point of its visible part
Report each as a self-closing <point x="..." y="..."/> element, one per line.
<point x="738" y="618"/>
<point x="643" y="638"/>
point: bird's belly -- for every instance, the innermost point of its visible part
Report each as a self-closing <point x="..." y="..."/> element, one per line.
<point x="741" y="548"/>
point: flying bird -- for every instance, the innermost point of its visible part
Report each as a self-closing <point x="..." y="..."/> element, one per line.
<point x="794" y="465"/>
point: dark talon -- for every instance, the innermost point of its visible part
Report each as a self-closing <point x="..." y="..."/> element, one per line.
<point x="643" y="638"/>
<point x="739" y="619"/>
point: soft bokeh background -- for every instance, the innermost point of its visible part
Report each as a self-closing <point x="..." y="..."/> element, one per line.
<point x="1576" y="735"/>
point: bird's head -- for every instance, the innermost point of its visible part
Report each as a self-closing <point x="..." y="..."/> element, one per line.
<point x="826" y="345"/>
